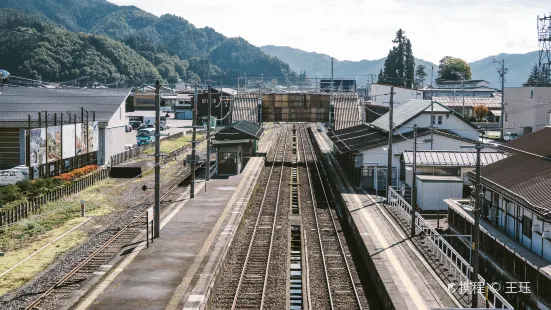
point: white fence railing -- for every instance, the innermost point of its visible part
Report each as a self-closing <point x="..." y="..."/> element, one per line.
<point x="444" y="252"/>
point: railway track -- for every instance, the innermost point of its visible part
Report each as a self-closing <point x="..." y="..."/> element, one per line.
<point x="328" y="258"/>
<point x="103" y="250"/>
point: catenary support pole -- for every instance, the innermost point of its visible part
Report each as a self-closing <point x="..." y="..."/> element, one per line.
<point x="47" y="150"/>
<point x="390" y="130"/>
<point x="414" y="182"/>
<point x="28" y="149"/>
<point x="157" y="210"/>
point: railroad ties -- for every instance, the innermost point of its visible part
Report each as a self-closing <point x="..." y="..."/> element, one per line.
<point x="288" y="252"/>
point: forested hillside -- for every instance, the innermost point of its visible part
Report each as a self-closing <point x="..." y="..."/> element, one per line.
<point x="33" y="48"/>
<point x="191" y="51"/>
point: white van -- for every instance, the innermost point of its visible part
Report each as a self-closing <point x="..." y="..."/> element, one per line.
<point x="15" y="174"/>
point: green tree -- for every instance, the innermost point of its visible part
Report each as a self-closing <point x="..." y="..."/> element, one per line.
<point x="453" y="69"/>
<point x="534" y="77"/>
<point x="420" y="75"/>
<point x="399" y="66"/>
<point x="410" y="65"/>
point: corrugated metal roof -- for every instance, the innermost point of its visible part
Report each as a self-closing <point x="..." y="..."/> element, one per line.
<point x="406" y="111"/>
<point x="451" y="158"/>
<point x="347" y="111"/>
<point x="229" y="142"/>
<point x="453" y="101"/>
<point x="246" y="127"/>
<point x="526" y="176"/>
<point x="17" y="102"/>
<point x="245" y="108"/>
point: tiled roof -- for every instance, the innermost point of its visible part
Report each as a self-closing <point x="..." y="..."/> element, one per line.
<point x="347" y="111"/>
<point x="451" y="101"/>
<point x="245" y="108"/>
<point x="407" y="111"/>
<point x="525" y="176"/>
<point x="451" y="158"/>
<point x="18" y="102"/>
<point x="364" y="137"/>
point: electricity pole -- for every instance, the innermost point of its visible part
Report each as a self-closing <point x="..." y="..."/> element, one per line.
<point x="390" y="127"/>
<point x="156" y="218"/>
<point x="414" y="182"/>
<point x="193" y="144"/>
<point x="431" y="109"/>
<point x="502" y="71"/>
<point x="207" y="178"/>
<point x="331" y="74"/>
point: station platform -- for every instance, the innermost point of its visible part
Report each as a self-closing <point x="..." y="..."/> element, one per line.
<point x="177" y="269"/>
<point x="401" y="276"/>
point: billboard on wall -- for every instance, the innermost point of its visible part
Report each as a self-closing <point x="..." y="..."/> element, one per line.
<point x="38" y="146"/>
<point x="54" y="143"/>
<point x="69" y="141"/>
<point x="94" y="137"/>
<point x="80" y="146"/>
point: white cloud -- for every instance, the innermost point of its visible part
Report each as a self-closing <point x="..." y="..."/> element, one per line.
<point x="363" y="29"/>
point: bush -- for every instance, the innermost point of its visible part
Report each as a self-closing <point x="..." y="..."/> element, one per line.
<point x="10" y="193"/>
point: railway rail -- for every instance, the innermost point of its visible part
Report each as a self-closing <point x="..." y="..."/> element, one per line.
<point x="340" y="289"/>
<point x="64" y="286"/>
<point x="247" y="280"/>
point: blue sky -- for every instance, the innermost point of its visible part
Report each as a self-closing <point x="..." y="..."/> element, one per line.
<point x="363" y="29"/>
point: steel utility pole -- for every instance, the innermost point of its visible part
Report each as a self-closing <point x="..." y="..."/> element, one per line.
<point x="476" y="230"/>
<point x="28" y="151"/>
<point x="390" y="129"/>
<point x="207" y="172"/>
<point x="157" y="210"/>
<point x="431" y="110"/>
<point x="331" y="74"/>
<point x="193" y="144"/>
<point x="414" y="182"/>
<point x="463" y="89"/>
<point x="502" y="71"/>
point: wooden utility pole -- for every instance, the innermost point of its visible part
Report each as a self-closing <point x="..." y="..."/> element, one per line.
<point x="390" y="130"/>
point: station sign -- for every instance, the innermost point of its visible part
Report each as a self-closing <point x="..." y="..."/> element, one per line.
<point x="150" y="214"/>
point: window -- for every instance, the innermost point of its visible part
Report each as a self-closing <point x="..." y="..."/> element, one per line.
<point x="367" y="172"/>
<point x="435" y="118"/>
<point x="12" y="173"/>
<point x="527" y="226"/>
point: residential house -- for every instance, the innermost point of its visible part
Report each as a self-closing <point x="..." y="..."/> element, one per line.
<point x="144" y="97"/>
<point x="527" y="109"/>
<point x="515" y="218"/>
<point x="380" y="94"/>
<point x="441" y="174"/>
<point x="362" y="150"/>
<point x="465" y="106"/>
<point x="467" y="88"/>
<point x="67" y="112"/>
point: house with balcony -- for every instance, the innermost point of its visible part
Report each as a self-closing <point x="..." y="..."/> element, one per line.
<point x="515" y="218"/>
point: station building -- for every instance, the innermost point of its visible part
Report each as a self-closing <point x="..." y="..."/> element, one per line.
<point x="68" y="127"/>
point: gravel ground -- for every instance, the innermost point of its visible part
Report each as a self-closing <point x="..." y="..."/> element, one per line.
<point x="130" y="200"/>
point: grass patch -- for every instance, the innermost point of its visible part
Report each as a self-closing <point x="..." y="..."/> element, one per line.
<point x="168" y="146"/>
<point x="29" y="269"/>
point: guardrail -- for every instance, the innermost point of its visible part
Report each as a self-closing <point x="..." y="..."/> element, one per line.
<point x="443" y="251"/>
<point x="24" y="210"/>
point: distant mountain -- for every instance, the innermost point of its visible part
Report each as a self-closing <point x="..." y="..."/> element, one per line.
<point x="518" y="68"/>
<point x="176" y="47"/>
<point x="319" y="65"/>
<point x="30" y="47"/>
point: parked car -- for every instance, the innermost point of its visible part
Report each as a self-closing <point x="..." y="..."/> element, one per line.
<point x="135" y="124"/>
<point x="128" y="128"/>
<point x="143" y="126"/>
<point x="509" y="136"/>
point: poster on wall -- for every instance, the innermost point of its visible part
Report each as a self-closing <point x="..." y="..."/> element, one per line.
<point x="79" y="141"/>
<point x="69" y="140"/>
<point x="94" y="137"/>
<point x="54" y="143"/>
<point x="38" y="146"/>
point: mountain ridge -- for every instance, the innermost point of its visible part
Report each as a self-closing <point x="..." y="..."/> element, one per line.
<point x="518" y="65"/>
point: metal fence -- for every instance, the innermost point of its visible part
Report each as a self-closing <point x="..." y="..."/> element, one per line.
<point x="137" y="151"/>
<point x="24" y="210"/>
<point x="443" y="252"/>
